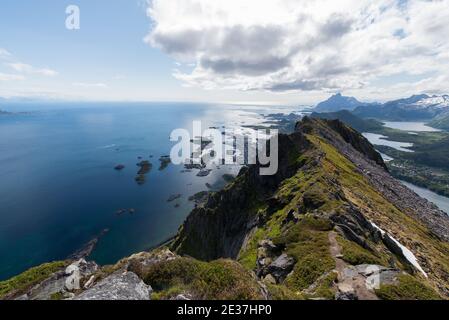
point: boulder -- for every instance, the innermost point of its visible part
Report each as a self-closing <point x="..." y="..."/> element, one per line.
<point x="182" y="297"/>
<point x="118" y="286"/>
<point x="281" y="267"/>
<point x="77" y="271"/>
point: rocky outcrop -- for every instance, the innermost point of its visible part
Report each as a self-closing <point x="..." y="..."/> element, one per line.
<point x="281" y="267"/>
<point x="78" y="271"/>
<point x="144" y="168"/>
<point x="328" y="162"/>
<point x="64" y="283"/>
<point x="118" y="286"/>
<point x="218" y="228"/>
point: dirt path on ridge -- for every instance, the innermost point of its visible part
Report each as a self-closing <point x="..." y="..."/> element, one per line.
<point x="348" y="280"/>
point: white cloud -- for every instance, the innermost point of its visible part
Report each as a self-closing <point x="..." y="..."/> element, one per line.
<point x="10" y="77"/>
<point x="90" y="85"/>
<point x="4" y="53"/>
<point x="283" y="45"/>
<point x="28" y="69"/>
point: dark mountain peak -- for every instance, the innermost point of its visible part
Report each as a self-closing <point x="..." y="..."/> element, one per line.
<point x="338" y="102"/>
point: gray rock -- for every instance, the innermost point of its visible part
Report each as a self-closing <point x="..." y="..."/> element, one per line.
<point x="204" y="173"/>
<point x="182" y="297"/>
<point x="384" y="277"/>
<point x="346" y="296"/>
<point x="44" y="290"/>
<point x="345" y="292"/>
<point x="291" y="216"/>
<point x="268" y="244"/>
<point x="370" y="269"/>
<point x="281" y="267"/>
<point x="269" y="279"/>
<point x="77" y="271"/>
<point x="118" y="286"/>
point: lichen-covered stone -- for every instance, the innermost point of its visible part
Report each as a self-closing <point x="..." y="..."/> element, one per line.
<point x="118" y="286"/>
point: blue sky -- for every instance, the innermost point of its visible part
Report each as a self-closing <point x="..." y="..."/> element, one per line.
<point x="108" y="49"/>
<point x="265" y="51"/>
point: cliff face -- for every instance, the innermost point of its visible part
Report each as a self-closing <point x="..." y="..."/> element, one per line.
<point x="218" y="228"/>
<point x="332" y="224"/>
<point x="333" y="207"/>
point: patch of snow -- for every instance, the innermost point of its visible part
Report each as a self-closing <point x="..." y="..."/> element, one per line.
<point x="405" y="251"/>
<point x="435" y="101"/>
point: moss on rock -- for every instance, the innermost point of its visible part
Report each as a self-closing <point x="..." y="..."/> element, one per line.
<point x="220" y="280"/>
<point x="21" y="283"/>
<point x="355" y="254"/>
<point x="307" y="242"/>
<point x="408" y="288"/>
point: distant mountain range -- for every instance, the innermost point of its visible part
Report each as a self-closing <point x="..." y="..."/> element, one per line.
<point x="348" y="118"/>
<point x="417" y="107"/>
<point x="339" y="102"/>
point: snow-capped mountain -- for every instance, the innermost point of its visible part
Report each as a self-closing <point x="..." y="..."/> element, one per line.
<point x="434" y="102"/>
<point x="417" y="107"/>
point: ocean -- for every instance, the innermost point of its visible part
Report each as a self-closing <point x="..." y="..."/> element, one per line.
<point x="59" y="189"/>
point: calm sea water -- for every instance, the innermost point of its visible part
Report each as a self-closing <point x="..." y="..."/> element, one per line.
<point x="58" y="188"/>
<point x="381" y="140"/>
<point x="413" y="127"/>
<point x="410" y="126"/>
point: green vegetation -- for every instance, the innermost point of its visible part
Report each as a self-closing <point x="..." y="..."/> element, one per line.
<point x="326" y="287"/>
<point x="376" y="208"/>
<point x="408" y="288"/>
<point x="280" y="292"/>
<point x="57" y="296"/>
<point x="355" y="254"/>
<point x="272" y="229"/>
<point x="21" y="283"/>
<point x="308" y="243"/>
<point x="248" y="256"/>
<point x="426" y="167"/>
<point x="436" y="180"/>
<point x="221" y="279"/>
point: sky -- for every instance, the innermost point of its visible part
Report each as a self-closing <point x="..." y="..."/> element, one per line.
<point x="240" y="51"/>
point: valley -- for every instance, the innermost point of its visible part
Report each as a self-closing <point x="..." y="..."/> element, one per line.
<point x="416" y="152"/>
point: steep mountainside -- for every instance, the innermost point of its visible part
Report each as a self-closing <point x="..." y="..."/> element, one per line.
<point x="333" y="185"/>
<point x="332" y="224"/>
<point x="442" y="121"/>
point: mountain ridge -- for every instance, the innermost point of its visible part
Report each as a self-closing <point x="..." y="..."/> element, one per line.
<point x="416" y="107"/>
